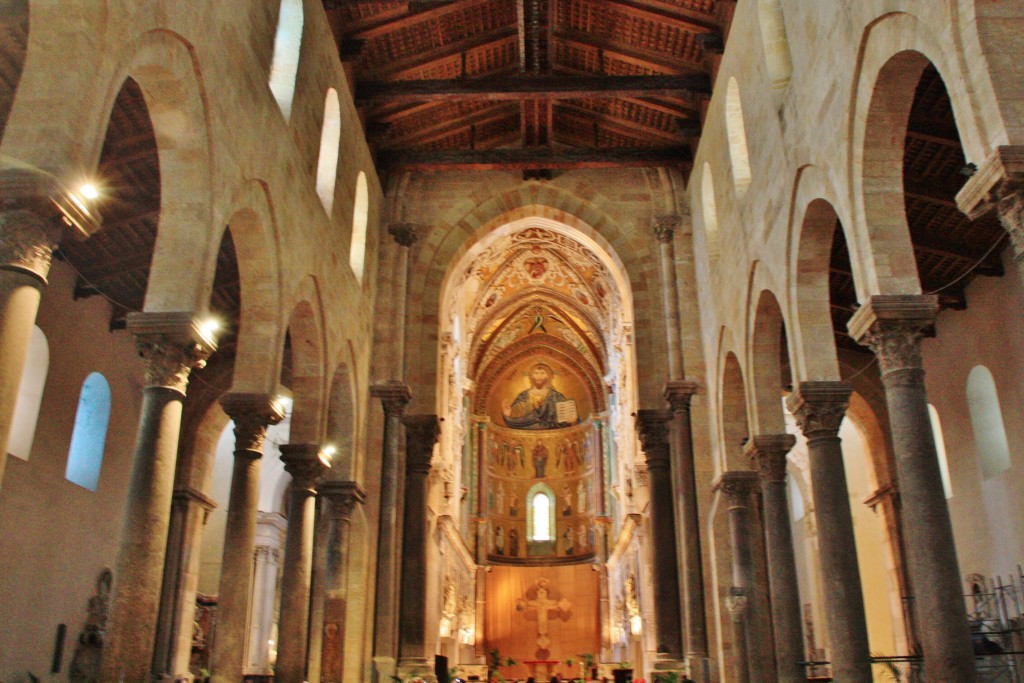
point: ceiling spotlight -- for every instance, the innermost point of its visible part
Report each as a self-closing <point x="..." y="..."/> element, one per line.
<point x="208" y="328"/>
<point x="89" y="191"/>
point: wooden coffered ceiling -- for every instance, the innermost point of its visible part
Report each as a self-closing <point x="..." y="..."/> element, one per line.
<point x="531" y="85"/>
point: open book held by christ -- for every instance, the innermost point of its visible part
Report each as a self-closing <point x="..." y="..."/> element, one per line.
<point x="565" y="412"/>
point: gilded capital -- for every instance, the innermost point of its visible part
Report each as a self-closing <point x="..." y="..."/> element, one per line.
<point x="394" y="397"/>
<point x="421" y="433"/>
<point x="405" y="234"/>
<point x="172" y="344"/>
<point x="767" y="453"/>
<point x="653" y="430"/>
<point x="820" y="406"/>
<point x="304" y="462"/>
<point x="252" y="414"/>
<point x="893" y="326"/>
<point x="665" y="227"/>
<point x="27" y="241"/>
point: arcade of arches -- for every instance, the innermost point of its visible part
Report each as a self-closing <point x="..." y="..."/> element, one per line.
<point x="352" y="341"/>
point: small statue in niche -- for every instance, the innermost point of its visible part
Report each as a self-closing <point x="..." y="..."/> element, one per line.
<point x="513" y="505"/>
<point x="85" y="664"/>
<point x="567" y="538"/>
<point x="499" y="541"/>
<point x="566" y="500"/>
<point x="513" y="543"/>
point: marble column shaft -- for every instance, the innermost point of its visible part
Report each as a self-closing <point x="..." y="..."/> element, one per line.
<point x="343" y="497"/>
<point x="405" y="235"/>
<point x="740" y="491"/>
<point x="173" y="648"/>
<point x="767" y="453"/>
<point x="27" y="241"/>
<point x="678" y="394"/>
<point x="819" y="408"/>
<point x="172" y="344"/>
<point x="395" y="397"/>
<point x="653" y="429"/>
<point x="252" y="414"/>
<point x="893" y="327"/>
<point x="422" y="432"/>
<point x="304" y="463"/>
<point x="664" y="231"/>
<point x="38" y="210"/>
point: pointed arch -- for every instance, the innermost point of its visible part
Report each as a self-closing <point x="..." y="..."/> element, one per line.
<point x="776" y="47"/>
<point x="305" y="330"/>
<point x="709" y="211"/>
<point x="770" y="374"/>
<point x="330" y="142"/>
<point x="360" y="218"/>
<point x="284" y="66"/>
<point x="736" y="134"/>
<point x="735" y="423"/>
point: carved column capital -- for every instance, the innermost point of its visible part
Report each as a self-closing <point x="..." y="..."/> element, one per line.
<point x="252" y="414"/>
<point x="678" y="393"/>
<point x="185" y="495"/>
<point x="767" y="453"/>
<point x="999" y="184"/>
<point x="27" y="241"/>
<point x="737" y="486"/>
<point x="892" y="326"/>
<point x="819" y="407"/>
<point x="665" y="227"/>
<point x="652" y="427"/>
<point x="405" y="234"/>
<point x="421" y="433"/>
<point x="343" y="497"/>
<point x="306" y="464"/>
<point x="173" y="344"/>
<point x="394" y="396"/>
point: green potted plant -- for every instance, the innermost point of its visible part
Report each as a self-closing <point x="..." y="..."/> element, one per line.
<point x="623" y="673"/>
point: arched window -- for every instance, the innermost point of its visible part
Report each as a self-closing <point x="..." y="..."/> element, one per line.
<point x="540" y="513"/>
<point x="987" y="422"/>
<point x="285" y="64"/>
<point x="709" y="209"/>
<point x="90" y="434"/>
<point x="776" y="47"/>
<point x="327" y="162"/>
<point x="30" y="396"/>
<point x="360" y="216"/>
<point x="940" y="449"/>
<point x="737" y="135"/>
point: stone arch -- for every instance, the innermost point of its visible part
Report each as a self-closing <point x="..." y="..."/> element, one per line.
<point x="739" y="154"/>
<point x="341" y="424"/>
<point x="766" y="345"/>
<point x="306" y="330"/>
<point x="14" y="26"/>
<point x="894" y="52"/>
<point x="776" y="47"/>
<point x="254" y="231"/>
<point x="543" y="204"/>
<point x="814" y="350"/>
<point x="167" y="70"/>
<point x="735" y="424"/>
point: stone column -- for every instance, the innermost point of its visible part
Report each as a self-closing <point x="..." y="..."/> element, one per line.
<point x="343" y="497"/>
<point x="652" y="427"/>
<point x="893" y="327"/>
<point x="189" y="510"/>
<point x="678" y="393"/>
<point x="252" y="414"/>
<point x="405" y="235"/>
<point x="999" y="185"/>
<point x="664" y="230"/>
<point x="306" y="465"/>
<point x="36" y="210"/>
<point x="738" y="607"/>
<point x="739" y="489"/>
<point x="819" y="408"/>
<point x="767" y="453"/>
<point x="422" y="432"/>
<point x="171" y="344"/>
<point x="321" y="531"/>
<point x="395" y="397"/>
<point x="270" y="534"/>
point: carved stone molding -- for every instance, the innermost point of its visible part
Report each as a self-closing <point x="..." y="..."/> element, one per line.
<point x="252" y="414"/>
<point x="737" y="486"/>
<point x="405" y="234"/>
<point x="767" y="453"/>
<point x="421" y="433"/>
<point x="343" y="496"/>
<point x="652" y="427"/>
<point x="394" y="395"/>
<point x="679" y="393"/>
<point x="27" y="241"/>
<point x="893" y="326"/>
<point x="173" y="344"/>
<point x="819" y="407"/>
<point x="303" y="462"/>
<point x="665" y="227"/>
